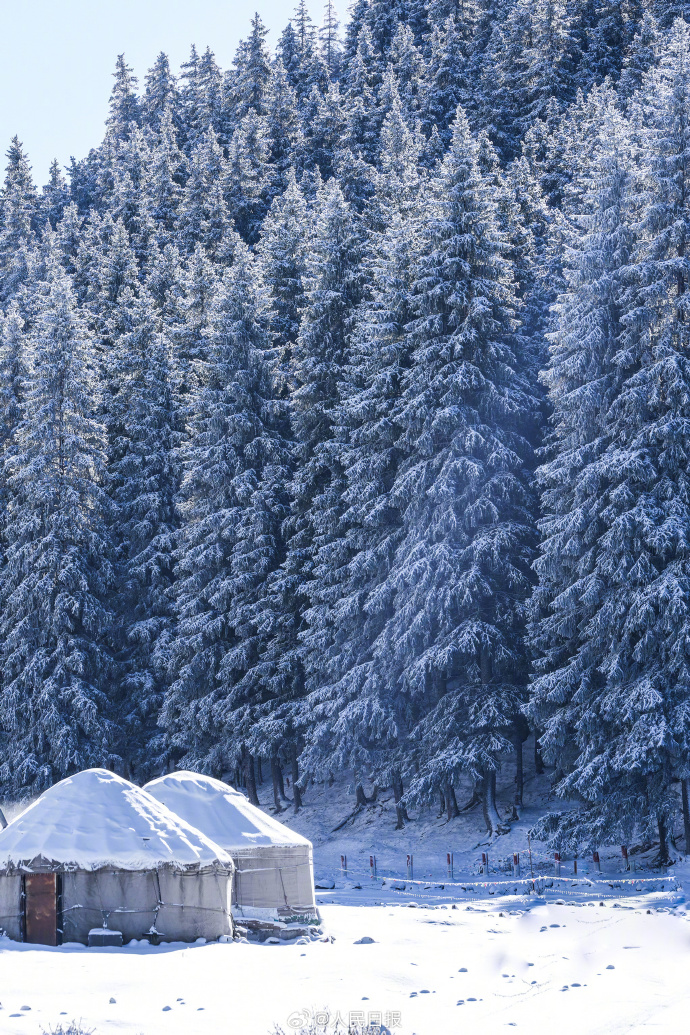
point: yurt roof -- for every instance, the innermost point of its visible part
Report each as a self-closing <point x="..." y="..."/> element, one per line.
<point x="221" y="812"/>
<point x="96" y="819"/>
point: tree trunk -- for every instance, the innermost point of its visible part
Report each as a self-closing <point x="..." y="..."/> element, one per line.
<point x="360" y="795"/>
<point x="281" y="783"/>
<point x="491" y="816"/>
<point x="296" y="789"/>
<point x="249" y="778"/>
<point x="476" y="798"/>
<point x="686" y="815"/>
<point x="259" y="774"/>
<point x="519" y="777"/>
<point x="441" y="803"/>
<point x="538" y="760"/>
<point x="452" y="809"/>
<point x="3" y="821"/>
<point x="401" y="816"/>
<point x="663" y="842"/>
<point x="276" y="776"/>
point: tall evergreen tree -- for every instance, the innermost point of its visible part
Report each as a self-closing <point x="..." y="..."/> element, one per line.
<point x="460" y="578"/>
<point x="56" y="709"/>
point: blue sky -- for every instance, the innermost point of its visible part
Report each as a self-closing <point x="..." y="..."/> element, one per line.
<point x="57" y="57"/>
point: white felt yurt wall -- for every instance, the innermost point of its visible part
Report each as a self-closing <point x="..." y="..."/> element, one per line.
<point x="122" y="858"/>
<point x="274" y="874"/>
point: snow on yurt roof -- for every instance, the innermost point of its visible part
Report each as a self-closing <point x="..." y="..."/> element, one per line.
<point x="221" y="812"/>
<point x="97" y="819"/>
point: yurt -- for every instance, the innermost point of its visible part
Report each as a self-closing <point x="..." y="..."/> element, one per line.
<point x="95" y="851"/>
<point x="274" y="876"/>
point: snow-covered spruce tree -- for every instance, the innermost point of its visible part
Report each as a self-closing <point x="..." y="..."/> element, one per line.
<point x="282" y="256"/>
<point x="203" y="215"/>
<point x="56" y="708"/>
<point x="142" y="480"/>
<point x="161" y="95"/>
<point x="360" y="724"/>
<point x="453" y="643"/>
<point x="229" y="534"/>
<point x="614" y="587"/>
<point x="125" y="110"/>
<point x="247" y="183"/>
<point x="248" y="83"/>
<point x="164" y="186"/>
<point x="309" y="575"/>
<point x="13" y="361"/>
<point x="583" y="379"/>
<point x="18" y="202"/>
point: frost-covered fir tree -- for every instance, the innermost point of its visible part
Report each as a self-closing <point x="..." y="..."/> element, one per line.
<point x="453" y="645"/>
<point x="229" y="534"/>
<point x="360" y="725"/>
<point x="13" y="371"/>
<point x="612" y="686"/>
<point x="18" y="203"/>
<point x="57" y="673"/>
<point x="142" y="481"/>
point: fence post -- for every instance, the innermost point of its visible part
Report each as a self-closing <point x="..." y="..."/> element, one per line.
<point x="410" y="867"/>
<point x="597" y="863"/>
<point x="372" y="865"/>
<point x="343" y="866"/>
<point x="516" y="864"/>
<point x="557" y="860"/>
<point x="624" y="853"/>
<point x="449" y="860"/>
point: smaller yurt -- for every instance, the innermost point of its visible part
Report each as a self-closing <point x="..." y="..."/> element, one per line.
<point x="274" y="874"/>
<point x="95" y="851"/>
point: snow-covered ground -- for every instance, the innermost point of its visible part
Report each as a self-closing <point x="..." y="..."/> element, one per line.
<point x="557" y="963"/>
<point x="535" y="966"/>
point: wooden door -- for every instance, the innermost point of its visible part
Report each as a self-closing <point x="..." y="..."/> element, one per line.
<point x="40" y="908"/>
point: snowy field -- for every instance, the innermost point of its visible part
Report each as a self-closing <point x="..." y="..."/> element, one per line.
<point x="493" y="963"/>
<point x="488" y="967"/>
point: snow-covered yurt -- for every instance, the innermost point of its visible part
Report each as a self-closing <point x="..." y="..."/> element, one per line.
<point x="96" y="851"/>
<point x="274" y="875"/>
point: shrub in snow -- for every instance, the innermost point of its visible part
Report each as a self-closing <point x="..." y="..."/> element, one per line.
<point x="73" y="1028"/>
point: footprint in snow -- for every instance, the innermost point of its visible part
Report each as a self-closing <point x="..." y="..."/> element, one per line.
<point x="610" y="967"/>
<point x="166" y="1008"/>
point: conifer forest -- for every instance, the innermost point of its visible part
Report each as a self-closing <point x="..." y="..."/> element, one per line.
<point x="345" y="416"/>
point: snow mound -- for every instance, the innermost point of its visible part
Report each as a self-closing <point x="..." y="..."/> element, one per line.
<point x="221" y="812"/>
<point x="96" y="819"/>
